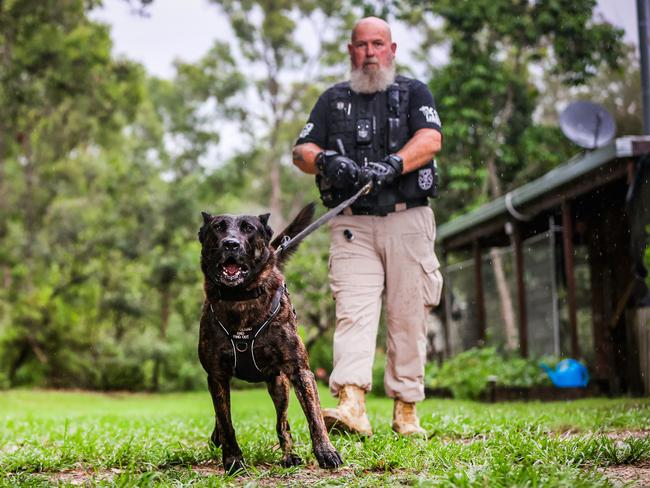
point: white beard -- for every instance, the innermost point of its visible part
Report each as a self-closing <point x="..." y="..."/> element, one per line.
<point x="372" y="82"/>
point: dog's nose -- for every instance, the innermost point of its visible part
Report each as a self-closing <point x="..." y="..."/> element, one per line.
<point x="231" y="244"/>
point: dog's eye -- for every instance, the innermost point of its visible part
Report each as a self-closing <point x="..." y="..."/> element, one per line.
<point x="246" y="227"/>
<point x="221" y="226"/>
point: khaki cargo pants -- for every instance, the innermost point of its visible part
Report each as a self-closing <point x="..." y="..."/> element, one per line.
<point x="390" y="258"/>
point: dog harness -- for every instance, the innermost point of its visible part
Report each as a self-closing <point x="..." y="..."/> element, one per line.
<point x="243" y="341"/>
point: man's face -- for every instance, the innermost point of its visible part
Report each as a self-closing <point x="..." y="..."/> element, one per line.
<point x="371" y="48"/>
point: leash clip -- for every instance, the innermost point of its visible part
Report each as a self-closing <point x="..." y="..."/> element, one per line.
<point x="283" y="244"/>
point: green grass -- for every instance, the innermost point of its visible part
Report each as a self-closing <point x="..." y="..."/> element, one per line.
<point x="49" y="438"/>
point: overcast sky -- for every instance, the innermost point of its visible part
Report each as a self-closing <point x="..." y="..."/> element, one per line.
<point x="186" y="29"/>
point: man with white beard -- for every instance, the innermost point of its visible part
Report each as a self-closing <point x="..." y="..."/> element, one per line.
<point x="383" y="129"/>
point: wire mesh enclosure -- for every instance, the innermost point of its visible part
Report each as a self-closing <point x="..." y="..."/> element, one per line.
<point x="548" y="329"/>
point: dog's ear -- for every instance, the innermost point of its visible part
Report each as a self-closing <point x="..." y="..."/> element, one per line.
<point x="264" y="218"/>
<point x="204" y="228"/>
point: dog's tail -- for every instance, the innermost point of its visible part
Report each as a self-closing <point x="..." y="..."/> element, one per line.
<point x="302" y="220"/>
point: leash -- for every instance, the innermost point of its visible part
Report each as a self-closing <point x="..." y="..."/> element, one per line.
<point x="323" y="219"/>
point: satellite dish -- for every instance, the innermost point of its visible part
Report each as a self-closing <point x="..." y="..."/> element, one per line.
<point x="587" y="124"/>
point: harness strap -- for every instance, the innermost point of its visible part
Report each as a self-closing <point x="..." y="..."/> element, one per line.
<point x="244" y="340"/>
<point x="237" y="295"/>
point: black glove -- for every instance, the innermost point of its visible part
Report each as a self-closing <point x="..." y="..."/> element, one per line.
<point x="381" y="173"/>
<point x="338" y="170"/>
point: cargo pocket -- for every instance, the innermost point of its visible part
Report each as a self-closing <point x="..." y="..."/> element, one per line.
<point x="338" y="271"/>
<point x="432" y="280"/>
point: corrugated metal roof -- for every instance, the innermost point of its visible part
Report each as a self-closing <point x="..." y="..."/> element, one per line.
<point x="570" y="171"/>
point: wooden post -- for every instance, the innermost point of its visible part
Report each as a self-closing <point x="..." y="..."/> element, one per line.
<point x="598" y="269"/>
<point x="642" y="338"/>
<point x="521" y="290"/>
<point x="480" y="298"/>
<point x="567" y="239"/>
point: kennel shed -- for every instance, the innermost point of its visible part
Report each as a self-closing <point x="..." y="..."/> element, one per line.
<point x="549" y="268"/>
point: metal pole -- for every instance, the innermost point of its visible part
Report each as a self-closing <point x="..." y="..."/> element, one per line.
<point x="521" y="290"/>
<point x="643" y="16"/>
<point x="480" y="295"/>
<point x="554" y="299"/>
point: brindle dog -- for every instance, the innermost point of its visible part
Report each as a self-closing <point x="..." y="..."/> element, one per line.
<point x="244" y="286"/>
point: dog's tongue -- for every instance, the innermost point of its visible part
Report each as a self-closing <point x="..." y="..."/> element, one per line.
<point x="231" y="269"/>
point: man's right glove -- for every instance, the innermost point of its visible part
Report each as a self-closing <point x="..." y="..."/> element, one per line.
<point x="338" y="170"/>
<point x="381" y="173"/>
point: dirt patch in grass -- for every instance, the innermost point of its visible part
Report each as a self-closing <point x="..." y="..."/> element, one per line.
<point x="308" y="474"/>
<point x="303" y="475"/>
<point x="82" y="476"/>
<point x="615" y="435"/>
<point x="628" y="475"/>
<point x="266" y="474"/>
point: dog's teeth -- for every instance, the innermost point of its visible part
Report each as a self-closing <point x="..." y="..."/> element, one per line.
<point x="231" y="270"/>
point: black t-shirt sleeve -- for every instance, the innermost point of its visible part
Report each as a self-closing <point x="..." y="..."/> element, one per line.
<point x="422" y="109"/>
<point x="315" y="130"/>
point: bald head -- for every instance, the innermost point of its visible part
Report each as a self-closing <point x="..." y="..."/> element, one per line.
<point x="374" y="23"/>
<point x="372" y="52"/>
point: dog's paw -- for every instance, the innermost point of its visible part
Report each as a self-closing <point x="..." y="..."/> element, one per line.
<point x="233" y="465"/>
<point x="291" y="460"/>
<point x="328" y="457"/>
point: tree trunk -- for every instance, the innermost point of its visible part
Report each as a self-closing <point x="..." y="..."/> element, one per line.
<point x="276" y="193"/>
<point x="505" y="301"/>
<point x="165" y="301"/>
<point x="505" y="297"/>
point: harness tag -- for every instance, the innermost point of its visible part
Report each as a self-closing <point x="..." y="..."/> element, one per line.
<point x="242" y="334"/>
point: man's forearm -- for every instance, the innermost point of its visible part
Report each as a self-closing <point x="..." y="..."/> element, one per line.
<point x="420" y="149"/>
<point x="304" y="156"/>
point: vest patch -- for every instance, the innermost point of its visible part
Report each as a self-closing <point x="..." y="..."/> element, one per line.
<point x="430" y="114"/>
<point x="309" y="126"/>
<point x="425" y="178"/>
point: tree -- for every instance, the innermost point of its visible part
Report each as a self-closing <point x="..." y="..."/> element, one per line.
<point x="62" y="97"/>
<point x="191" y="109"/>
<point x="618" y="90"/>
<point x="487" y="93"/>
<point x="289" y="47"/>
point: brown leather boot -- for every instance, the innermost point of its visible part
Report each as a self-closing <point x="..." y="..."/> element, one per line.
<point x="350" y="415"/>
<point x="405" y="419"/>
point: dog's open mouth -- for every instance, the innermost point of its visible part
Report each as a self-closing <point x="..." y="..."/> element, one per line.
<point x="231" y="270"/>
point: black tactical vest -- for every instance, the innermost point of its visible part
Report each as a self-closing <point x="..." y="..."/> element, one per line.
<point x="366" y="128"/>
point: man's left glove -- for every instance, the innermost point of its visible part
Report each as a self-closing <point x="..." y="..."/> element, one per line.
<point x="340" y="171"/>
<point x="381" y="173"/>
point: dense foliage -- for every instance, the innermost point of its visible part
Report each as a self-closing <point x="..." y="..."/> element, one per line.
<point x="488" y="91"/>
<point x="467" y="374"/>
<point x="104" y="169"/>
